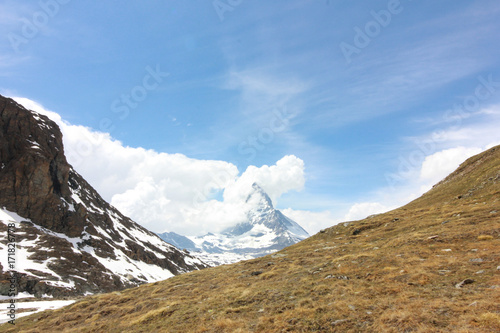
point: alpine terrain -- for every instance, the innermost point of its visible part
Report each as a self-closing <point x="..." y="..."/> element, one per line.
<point x="68" y="240"/>
<point x="432" y="265"/>
<point x="265" y="231"/>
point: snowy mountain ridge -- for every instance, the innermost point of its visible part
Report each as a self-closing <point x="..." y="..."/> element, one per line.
<point x="265" y="231"/>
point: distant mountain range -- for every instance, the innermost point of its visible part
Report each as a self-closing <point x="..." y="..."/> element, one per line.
<point x="69" y="241"/>
<point x="265" y="230"/>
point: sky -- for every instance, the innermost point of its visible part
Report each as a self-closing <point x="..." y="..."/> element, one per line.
<point x="337" y="109"/>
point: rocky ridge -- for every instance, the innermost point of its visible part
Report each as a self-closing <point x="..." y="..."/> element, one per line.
<point x="70" y="240"/>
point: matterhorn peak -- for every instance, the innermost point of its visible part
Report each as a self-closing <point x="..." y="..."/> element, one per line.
<point x="258" y="198"/>
<point x="264" y="231"/>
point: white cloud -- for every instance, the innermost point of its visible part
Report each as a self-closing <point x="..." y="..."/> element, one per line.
<point x="169" y="191"/>
<point x="286" y="175"/>
<point x="312" y="222"/>
<point x="437" y="166"/>
<point x="361" y="210"/>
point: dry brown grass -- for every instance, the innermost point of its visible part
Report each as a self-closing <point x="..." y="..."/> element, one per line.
<point x="397" y="275"/>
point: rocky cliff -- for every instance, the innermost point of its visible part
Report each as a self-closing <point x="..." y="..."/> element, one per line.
<point x="70" y="240"/>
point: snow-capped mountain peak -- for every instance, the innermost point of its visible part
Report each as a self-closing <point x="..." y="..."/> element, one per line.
<point x="262" y="212"/>
<point x="259" y="198"/>
<point x="264" y="231"/>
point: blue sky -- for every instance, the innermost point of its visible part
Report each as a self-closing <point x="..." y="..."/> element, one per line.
<point x="351" y="89"/>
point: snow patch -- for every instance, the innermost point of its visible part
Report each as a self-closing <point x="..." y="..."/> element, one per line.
<point x="37" y="306"/>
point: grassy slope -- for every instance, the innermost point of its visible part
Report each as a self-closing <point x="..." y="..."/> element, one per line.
<point x="393" y="272"/>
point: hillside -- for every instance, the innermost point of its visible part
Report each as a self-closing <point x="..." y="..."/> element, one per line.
<point x="430" y="266"/>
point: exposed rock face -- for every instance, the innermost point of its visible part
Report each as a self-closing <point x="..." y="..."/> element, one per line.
<point x="34" y="173"/>
<point x="70" y="239"/>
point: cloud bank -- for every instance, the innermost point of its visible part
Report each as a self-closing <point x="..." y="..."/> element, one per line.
<point x="169" y="191"/>
<point x="176" y="193"/>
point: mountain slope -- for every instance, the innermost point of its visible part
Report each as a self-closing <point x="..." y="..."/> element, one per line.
<point x="429" y="266"/>
<point x="265" y="231"/>
<point x="70" y="241"/>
